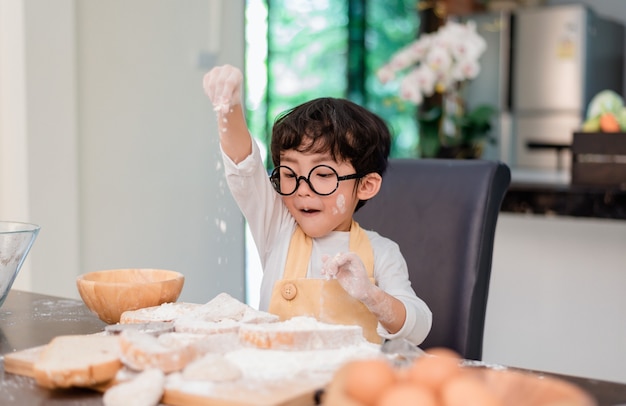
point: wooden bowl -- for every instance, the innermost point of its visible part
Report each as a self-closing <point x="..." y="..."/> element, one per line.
<point x="111" y="292"/>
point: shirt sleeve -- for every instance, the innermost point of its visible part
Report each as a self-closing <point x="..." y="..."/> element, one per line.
<point x="249" y="184"/>
<point x="392" y="276"/>
<point x="269" y="221"/>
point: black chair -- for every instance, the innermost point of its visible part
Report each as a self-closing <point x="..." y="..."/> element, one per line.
<point x="443" y="214"/>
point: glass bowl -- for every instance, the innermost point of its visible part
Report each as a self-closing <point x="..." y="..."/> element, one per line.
<point x="16" y="239"/>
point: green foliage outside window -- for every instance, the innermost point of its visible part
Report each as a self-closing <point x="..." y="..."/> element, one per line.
<point x="297" y="50"/>
<point x="390" y="26"/>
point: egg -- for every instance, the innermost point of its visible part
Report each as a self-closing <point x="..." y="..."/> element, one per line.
<point x="466" y="390"/>
<point x="407" y="394"/>
<point x="434" y="368"/>
<point x="443" y="352"/>
<point x="367" y="379"/>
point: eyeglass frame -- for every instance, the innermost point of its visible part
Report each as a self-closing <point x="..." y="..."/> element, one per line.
<point x="276" y="175"/>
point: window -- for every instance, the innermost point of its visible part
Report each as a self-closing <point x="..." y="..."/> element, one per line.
<point x="298" y="50"/>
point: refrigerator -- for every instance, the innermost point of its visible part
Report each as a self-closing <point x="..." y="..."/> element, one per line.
<point x="493" y="86"/>
<point x="562" y="56"/>
<point x="541" y="68"/>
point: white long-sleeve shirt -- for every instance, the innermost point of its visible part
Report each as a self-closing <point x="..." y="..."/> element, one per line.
<point x="272" y="226"/>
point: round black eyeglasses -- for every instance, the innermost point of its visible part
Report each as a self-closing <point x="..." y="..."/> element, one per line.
<point x="322" y="179"/>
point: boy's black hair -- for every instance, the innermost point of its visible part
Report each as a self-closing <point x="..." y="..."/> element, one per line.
<point x="346" y="130"/>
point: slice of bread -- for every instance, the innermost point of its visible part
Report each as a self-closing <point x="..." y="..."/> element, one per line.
<point x="154" y="328"/>
<point x="165" y="312"/>
<point x="225" y="308"/>
<point x="145" y="389"/>
<point x="141" y="351"/>
<point x="191" y="325"/>
<point x="222" y="308"/>
<point x="204" y="343"/>
<point x="212" y="368"/>
<point x="78" y="360"/>
<point x="299" y="333"/>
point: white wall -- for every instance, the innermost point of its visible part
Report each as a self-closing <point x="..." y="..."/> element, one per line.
<point x="556" y="299"/>
<point x="13" y="140"/>
<point x="51" y="121"/>
<point x="123" y="166"/>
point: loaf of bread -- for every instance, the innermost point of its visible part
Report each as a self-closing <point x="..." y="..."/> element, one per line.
<point x="78" y="360"/>
<point x="299" y="333"/>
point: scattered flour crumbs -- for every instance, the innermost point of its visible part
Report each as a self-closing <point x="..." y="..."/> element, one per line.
<point x="12" y="386"/>
<point x="42" y="309"/>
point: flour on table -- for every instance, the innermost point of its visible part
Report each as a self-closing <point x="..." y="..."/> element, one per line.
<point x="260" y="368"/>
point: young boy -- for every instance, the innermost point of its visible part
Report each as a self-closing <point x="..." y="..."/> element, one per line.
<point x="329" y="157"/>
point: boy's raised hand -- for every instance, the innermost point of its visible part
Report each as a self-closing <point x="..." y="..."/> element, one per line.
<point x="223" y="86"/>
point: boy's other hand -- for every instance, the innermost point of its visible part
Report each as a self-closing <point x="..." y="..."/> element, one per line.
<point x="349" y="270"/>
<point x="223" y="86"/>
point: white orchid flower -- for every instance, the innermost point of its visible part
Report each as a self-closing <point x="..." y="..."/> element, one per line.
<point x="436" y="62"/>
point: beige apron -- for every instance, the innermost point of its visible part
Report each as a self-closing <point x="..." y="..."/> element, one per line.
<point x="325" y="300"/>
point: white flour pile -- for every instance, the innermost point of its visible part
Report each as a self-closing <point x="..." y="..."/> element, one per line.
<point x="277" y="365"/>
<point x="258" y="366"/>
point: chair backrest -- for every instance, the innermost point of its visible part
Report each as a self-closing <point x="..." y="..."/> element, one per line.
<point x="443" y="214"/>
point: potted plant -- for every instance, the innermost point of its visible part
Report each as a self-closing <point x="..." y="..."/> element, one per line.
<point x="441" y="63"/>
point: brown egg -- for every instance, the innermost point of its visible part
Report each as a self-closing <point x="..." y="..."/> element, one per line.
<point x="443" y="352"/>
<point x="407" y="394"/>
<point x="366" y="380"/>
<point x="434" y="368"/>
<point x="466" y="390"/>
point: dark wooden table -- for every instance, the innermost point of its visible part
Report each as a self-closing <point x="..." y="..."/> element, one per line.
<point x="29" y="320"/>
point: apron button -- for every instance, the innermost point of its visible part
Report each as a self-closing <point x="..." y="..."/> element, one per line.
<point x="289" y="291"/>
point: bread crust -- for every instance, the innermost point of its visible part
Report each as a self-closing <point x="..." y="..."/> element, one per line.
<point x="141" y="351"/>
<point x="299" y="334"/>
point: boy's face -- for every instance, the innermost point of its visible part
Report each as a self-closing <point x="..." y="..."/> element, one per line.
<point x="318" y="215"/>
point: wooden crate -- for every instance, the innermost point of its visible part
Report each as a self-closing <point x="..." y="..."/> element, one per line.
<point x="599" y="159"/>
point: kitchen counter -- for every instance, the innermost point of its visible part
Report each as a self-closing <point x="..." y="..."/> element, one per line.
<point x="550" y="193"/>
<point x="29" y="320"/>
